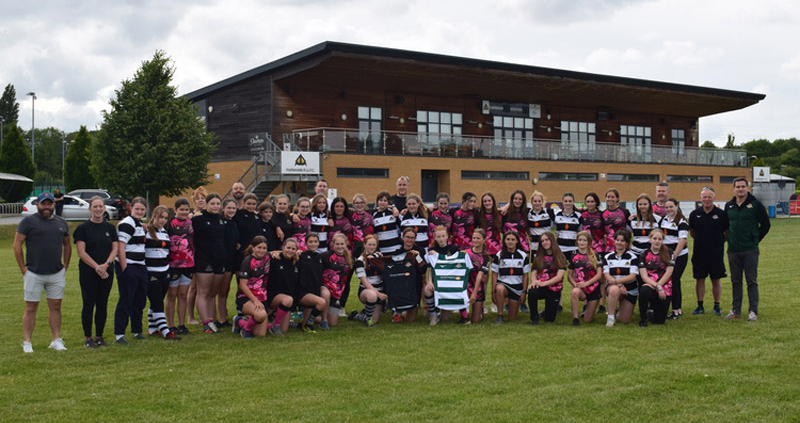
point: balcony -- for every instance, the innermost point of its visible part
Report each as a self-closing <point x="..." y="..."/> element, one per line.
<point x="337" y="140"/>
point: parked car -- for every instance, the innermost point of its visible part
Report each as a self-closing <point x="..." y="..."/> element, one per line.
<point x="110" y="199"/>
<point x="74" y="209"/>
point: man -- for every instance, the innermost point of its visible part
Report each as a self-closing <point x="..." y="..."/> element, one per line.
<point x="46" y="238"/>
<point x="237" y="192"/>
<point x="749" y="224"/>
<point x="399" y="199"/>
<point x="662" y="194"/>
<point x="59" y="198"/>
<point x="708" y="225"/>
<point x="321" y="188"/>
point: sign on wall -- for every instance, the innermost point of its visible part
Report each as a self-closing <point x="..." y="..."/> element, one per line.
<point x="760" y="174"/>
<point x="258" y="142"/>
<point x="300" y="163"/>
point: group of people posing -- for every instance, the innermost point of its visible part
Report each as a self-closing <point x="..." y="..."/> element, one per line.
<point x="301" y="259"/>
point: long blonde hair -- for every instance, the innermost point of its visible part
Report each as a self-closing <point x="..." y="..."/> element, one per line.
<point x="348" y="257"/>
<point x="590" y="250"/>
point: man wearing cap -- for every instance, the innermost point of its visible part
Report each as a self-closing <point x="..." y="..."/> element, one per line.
<point x="46" y="239"/>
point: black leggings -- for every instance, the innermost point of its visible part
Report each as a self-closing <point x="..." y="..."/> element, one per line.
<point x="132" y="284"/>
<point x="157" y="287"/>
<point x="94" y="291"/>
<point x="551" y="300"/>
<point x="648" y="298"/>
<point x="677" y="272"/>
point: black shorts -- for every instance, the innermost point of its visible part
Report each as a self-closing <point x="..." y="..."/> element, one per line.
<point x="510" y="294"/>
<point x="713" y="267"/>
<point x="240" y="302"/>
<point x="594" y="296"/>
<point x="203" y="266"/>
<point x="631" y="298"/>
<point x="381" y="303"/>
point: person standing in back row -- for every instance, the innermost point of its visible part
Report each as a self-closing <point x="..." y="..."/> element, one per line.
<point x="708" y="225"/>
<point x="749" y="224"/>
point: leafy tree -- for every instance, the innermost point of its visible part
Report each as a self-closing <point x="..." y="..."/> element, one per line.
<point x="9" y="108"/>
<point x="731" y="139"/>
<point x="758" y="162"/>
<point x="49" y="148"/>
<point x="791" y="158"/>
<point x="15" y="157"/>
<point x="78" y="162"/>
<point x="759" y="148"/>
<point x="708" y="145"/>
<point x="151" y="141"/>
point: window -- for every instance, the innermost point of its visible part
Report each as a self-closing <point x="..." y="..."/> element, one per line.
<point x="360" y="172"/>
<point x="369" y="129"/>
<point x="706" y="179"/>
<point x="678" y="142"/>
<point x="481" y="174"/>
<point x="512" y="134"/>
<point x="436" y="128"/>
<point x="638" y="140"/>
<point x="564" y="176"/>
<point x="579" y="137"/>
<point x="631" y="177"/>
<point x="727" y="179"/>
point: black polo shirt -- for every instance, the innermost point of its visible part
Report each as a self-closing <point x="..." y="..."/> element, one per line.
<point x="709" y="231"/>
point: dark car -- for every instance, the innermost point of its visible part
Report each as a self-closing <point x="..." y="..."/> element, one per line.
<point x="109" y="199"/>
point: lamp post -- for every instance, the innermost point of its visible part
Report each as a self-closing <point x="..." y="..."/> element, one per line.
<point x="33" y="126"/>
<point x="2" y="120"/>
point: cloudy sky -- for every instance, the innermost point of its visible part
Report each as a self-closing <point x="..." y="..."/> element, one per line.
<point x="74" y="54"/>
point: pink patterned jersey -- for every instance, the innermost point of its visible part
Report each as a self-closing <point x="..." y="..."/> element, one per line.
<point x="549" y="272"/>
<point x="480" y="264"/>
<point x="362" y="225"/>
<point x="593" y="222"/>
<point x="301" y="228"/>
<point x="493" y="245"/>
<point x="584" y="271"/>
<point x="656" y="268"/>
<point x="256" y="271"/>
<point x="334" y="277"/>
<point x="439" y="218"/>
<point x="614" y="220"/>
<point x="181" y="243"/>
<point x="518" y="223"/>
<point x="462" y="227"/>
<point x="344" y="226"/>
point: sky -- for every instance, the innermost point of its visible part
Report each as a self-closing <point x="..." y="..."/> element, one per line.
<point x="75" y="54"/>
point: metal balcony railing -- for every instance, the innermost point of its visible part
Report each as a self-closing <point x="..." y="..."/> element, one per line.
<point x="338" y="140"/>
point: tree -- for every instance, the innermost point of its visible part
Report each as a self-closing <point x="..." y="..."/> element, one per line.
<point x="15" y="157"/>
<point x="730" y="144"/>
<point x="708" y="145"/>
<point x="78" y="162"/>
<point x="151" y="142"/>
<point x="759" y="148"/>
<point x="9" y="108"/>
<point x="48" y="151"/>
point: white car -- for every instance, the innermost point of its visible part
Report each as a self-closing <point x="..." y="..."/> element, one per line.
<point x="74" y="209"/>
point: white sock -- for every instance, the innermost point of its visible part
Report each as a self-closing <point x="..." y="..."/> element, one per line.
<point x="611" y="317"/>
<point x="118" y="337"/>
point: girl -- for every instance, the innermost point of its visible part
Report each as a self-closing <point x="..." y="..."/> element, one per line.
<point x="614" y="218"/>
<point x="540" y="220"/>
<point x="512" y="270"/>
<point x="592" y="221"/>
<point x="266" y="211"/>
<point x="481" y="261"/>
<point x="156" y="252"/>
<point x="251" y="296"/>
<point x="409" y="251"/>
<point x="416" y="217"/>
<point x="301" y="221"/>
<point x="441" y="246"/>
<point x="620" y="271"/>
<point x="450" y="273"/>
<point x="232" y="257"/>
<point x="282" y="220"/>
<point x="464" y="221"/>
<point x="199" y="198"/>
<point x="132" y="273"/>
<point x="181" y="264"/>
<point x="516" y="219"/>
<point x="642" y="223"/>
<point x="655" y="269"/>
<point x="384" y="224"/>
<point x="340" y="223"/>
<point x="283" y="278"/>
<point x="676" y="231"/>
<point x="338" y="263"/>
<point x="209" y="242"/>
<point x="440" y="216"/>
<point x="567" y="222"/>
<point x="248" y="224"/>
<point x="96" y="241"/>
<point x="491" y="222"/>
<point x="547" y="279"/>
<point x="309" y="284"/>
<point x="585" y="272"/>
<point x="320" y="220"/>
<point x="370" y="291"/>
<point x="361" y="221"/>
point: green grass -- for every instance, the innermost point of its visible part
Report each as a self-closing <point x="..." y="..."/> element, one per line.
<point x="699" y="368"/>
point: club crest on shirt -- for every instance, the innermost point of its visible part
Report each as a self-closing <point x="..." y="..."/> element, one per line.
<point x="715" y="217"/>
<point x="458" y="266"/>
<point x="408" y="264"/>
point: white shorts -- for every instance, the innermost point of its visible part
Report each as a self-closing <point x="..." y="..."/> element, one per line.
<point x="53" y="286"/>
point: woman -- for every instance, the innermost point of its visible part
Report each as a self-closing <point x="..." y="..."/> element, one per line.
<point x="251" y="297"/>
<point x="384" y="224"/>
<point x="516" y="219"/>
<point x="232" y="257"/>
<point x="199" y="197"/>
<point x="210" y="256"/>
<point x="585" y="273"/>
<point x="370" y="290"/>
<point x="568" y="223"/>
<point x="620" y="270"/>
<point x="307" y="293"/>
<point x="361" y="220"/>
<point x="655" y="269"/>
<point x="481" y="261"/>
<point x="491" y="222"/>
<point x="642" y="223"/>
<point x="283" y="276"/>
<point x="268" y="229"/>
<point x="592" y="221"/>
<point x="416" y="217"/>
<point x="248" y="223"/>
<point x="156" y="247"/>
<point x="282" y="219"/>
<point x="320" y="220"/>
<point x="547" y="279"/>
<point x="181" y="264"/>
<point x="131" y="273"/>
<point x="512" y="270"/>
<point x="540" y="220"/>
<point x="464" y="220"/>
<point x="96" y="241"/>
<point x="301" y="222"/>
<point x="614" y="218"/>
<point x="440" y="216"/>
<point x="338" y="263"/>
<point x="676" y="232"/>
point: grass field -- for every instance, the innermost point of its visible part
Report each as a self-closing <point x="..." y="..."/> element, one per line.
<point x="699" y="368"/>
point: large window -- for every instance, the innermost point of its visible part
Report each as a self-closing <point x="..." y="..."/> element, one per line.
<point x="579" y="137"/>
<point x="631" y="177"/>
<point x="512" y="134"/>
<point x="438" y="128"/>
<point x="488" y="174"/>
<point x="361" y="172"/>
<point x="369" y="129"/>
<point x="706" y="179"/>
<point x="678" y="142"/>
<point x="566" y="176"/>
<point x="638" y="140"/>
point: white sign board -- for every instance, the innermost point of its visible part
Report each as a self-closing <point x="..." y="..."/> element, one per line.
<point x="300" y="163"/>
<point x="760" y="174"/>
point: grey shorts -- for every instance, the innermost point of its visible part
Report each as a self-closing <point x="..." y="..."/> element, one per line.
<point x="53" y="286"/>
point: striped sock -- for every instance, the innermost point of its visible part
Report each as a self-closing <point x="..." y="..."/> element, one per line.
<point x="431" y="304"/>
<point x="311" y="318"/>
<point x="369" y="309"/>
<point x="160" y="320"/>
<point x="151" y="322"/>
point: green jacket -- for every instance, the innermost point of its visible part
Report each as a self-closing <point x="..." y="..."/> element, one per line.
<point x="749" y="224"/>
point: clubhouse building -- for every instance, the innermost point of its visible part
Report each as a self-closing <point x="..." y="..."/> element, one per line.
<point x="362" y="116"/>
